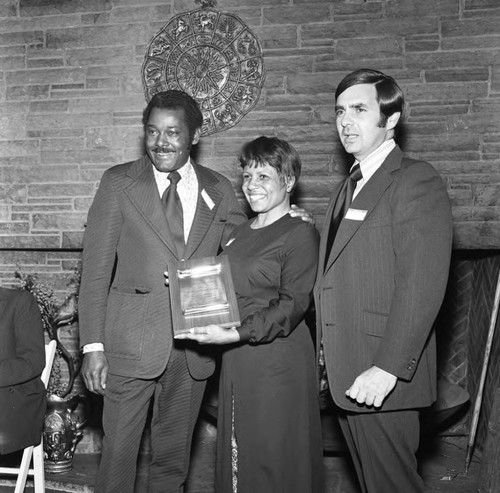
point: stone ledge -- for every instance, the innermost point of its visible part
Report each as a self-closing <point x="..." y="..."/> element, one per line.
<point x="50" y="486"/>
<point x="79" y="480"/>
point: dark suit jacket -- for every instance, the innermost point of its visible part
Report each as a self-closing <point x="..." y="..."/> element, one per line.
<point x="22" y="359"/>
<point x="378" y="293"/>
<point x="123" y="300"/>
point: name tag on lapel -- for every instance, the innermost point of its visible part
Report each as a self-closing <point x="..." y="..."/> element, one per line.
<point x="210" y="203"/>
<point x="356" y="214"/>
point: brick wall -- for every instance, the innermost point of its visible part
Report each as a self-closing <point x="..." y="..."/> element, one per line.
<point x="71" y="98"/>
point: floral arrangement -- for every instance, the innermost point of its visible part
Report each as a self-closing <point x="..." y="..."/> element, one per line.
<point x="56" y="314"/>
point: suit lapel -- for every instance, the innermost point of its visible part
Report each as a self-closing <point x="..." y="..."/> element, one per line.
<point x="326" y="228"/>
<point x="143" y="193"/>
<point x="208" y="195"/>
<point x="366" y="200"/>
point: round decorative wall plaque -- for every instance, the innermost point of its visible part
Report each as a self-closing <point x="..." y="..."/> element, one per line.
<point x="214" y="57"/>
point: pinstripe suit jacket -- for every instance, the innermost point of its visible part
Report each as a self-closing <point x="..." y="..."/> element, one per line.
<point x="123" y="301"/>
<point x="378" y="293"/>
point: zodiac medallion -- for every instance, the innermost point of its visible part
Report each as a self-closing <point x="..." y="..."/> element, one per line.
<point x="214" y="57"/>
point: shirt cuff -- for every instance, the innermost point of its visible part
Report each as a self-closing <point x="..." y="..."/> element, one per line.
<point x="96" y="346"/>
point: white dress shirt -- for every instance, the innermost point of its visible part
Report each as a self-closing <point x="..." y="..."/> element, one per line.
<point x="372" y="163"/>
<point x="187" y="188"/>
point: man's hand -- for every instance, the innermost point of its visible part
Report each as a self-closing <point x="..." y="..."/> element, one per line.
<point x="302" y="213"/>
<point x="211" y="334"/>
<point x="372" y="387"/>
<point x="95" y="371"/>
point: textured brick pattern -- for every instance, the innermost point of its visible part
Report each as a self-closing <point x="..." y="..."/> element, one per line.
<point x="71" y="99"/>
<point x="462" y="330"/>
<point x="452" y="323"/>
<point x="485" y="277"/>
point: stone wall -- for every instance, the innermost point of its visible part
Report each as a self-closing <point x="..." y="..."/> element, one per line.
<point x="71" y="98"/>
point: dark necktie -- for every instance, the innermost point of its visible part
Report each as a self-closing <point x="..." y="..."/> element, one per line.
<point x="173" y="211"/>
<point x="342" y="203"/>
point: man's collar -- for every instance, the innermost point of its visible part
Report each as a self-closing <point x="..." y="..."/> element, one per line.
<point x="185" y="171"/>
<point x="383" y="149"/>
<point x="375" y="159"/>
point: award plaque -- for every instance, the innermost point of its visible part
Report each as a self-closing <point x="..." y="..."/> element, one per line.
<point x="202" y="293"/>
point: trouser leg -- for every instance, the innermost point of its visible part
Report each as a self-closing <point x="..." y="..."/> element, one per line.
<point x="125" y="410"/>
<point x="383" y="447"/>
<point x="177" y="404"/>
<point x="344" y="426"/>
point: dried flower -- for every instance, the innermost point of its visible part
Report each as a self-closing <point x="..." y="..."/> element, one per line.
<point x="56" y="314"/>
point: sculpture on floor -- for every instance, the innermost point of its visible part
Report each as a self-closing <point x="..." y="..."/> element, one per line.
<point x="62" y="426"/>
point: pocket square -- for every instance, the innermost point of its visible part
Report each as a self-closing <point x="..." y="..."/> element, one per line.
<point x="356" y="214"/>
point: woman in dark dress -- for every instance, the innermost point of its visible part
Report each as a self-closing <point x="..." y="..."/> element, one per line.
<point x="268" y="428"/>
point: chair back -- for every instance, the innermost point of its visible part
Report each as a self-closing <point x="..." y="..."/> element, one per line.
<point x="50" y="352"/>
<point x="24" y="470"/>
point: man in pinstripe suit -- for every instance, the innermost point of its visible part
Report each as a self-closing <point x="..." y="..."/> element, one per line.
<point x="380" y="286"/>
<point x="130" y="356"/>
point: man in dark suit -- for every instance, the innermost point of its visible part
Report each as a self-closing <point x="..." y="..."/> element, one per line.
<point x="380" y="285"/>
<point x="22" y="359"/>
<point x="130" y="356"/>
<point x="124" y="307"/>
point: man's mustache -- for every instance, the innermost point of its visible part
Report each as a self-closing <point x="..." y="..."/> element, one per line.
<point x="162" y="149"/>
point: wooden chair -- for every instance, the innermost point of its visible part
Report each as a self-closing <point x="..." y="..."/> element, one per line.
<point x="24" y="470"/>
